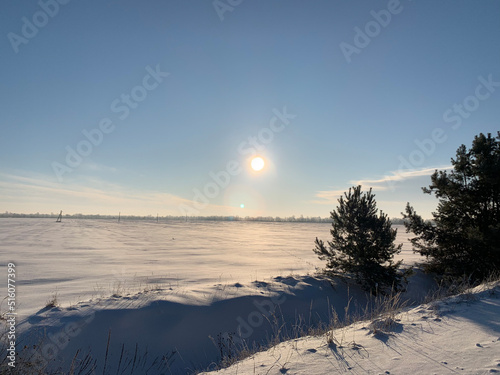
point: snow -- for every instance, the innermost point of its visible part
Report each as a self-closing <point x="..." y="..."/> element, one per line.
<point x="459" y="335"/>
<point x="81" y="259"/>
<point x="192" y="293"/>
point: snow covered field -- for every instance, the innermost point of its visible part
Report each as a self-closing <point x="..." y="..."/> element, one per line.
<point x="190" y="292"/>
<point x="81" y="259"/>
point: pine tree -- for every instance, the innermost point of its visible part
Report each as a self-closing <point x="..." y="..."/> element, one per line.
<point x="464" y="238"/>
<point x="362" y="243"/>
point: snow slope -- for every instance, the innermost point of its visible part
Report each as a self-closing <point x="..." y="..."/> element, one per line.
<point x="192" y="336"/>
<point x="189" y="334"/>
<point x="458" y="335"/>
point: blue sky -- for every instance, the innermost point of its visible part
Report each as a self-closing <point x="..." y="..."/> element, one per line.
<point x="333" y="93"/>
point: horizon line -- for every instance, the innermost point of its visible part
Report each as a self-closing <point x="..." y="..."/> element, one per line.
<point x="292" y="218"/>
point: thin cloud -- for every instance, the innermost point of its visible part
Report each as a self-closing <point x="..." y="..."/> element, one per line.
<point x="387" y="182"/>
<point x="39" y="194"/>
<point x="328" y="196"/>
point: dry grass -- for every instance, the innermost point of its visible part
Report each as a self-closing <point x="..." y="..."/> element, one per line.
<point x="53" y="301"/>
<point x="380" y="311"/>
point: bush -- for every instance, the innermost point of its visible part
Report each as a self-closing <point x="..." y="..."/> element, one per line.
<point x="363" y="243"/>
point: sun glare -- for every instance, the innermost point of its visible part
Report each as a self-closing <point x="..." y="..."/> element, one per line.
<point x="257" y="163"/>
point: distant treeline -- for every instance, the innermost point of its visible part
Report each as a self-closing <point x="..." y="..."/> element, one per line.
<point x="276" y="219"/>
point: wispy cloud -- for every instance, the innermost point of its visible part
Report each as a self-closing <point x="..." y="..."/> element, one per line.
<point x="328" y="196"/>
<point x="30" y="194"/>
<point x="386" y="182"/>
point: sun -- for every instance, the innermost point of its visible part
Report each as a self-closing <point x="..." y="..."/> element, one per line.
<point x="257" y="163"/>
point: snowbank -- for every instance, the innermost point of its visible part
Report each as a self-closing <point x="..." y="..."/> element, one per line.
<point x="457" y="335"/>
<point x="187" y="337"/>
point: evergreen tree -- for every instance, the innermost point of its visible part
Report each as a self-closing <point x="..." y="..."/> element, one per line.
<point x="464" y="238"/>
<point x="362" y="244"/>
